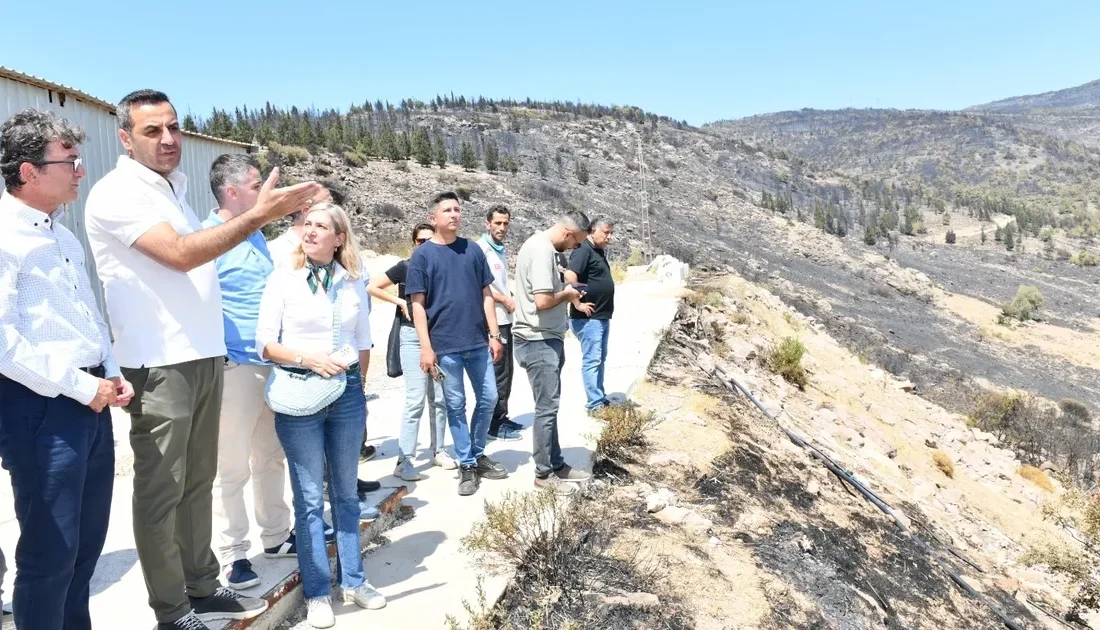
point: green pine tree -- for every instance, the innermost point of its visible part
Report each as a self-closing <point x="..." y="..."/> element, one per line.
<point x="404" y="146"/>
<point x="511" y="165"/>
<point x="1010" y="242"/>
<point x="422" y="147"/>
<point x="467" y="157"/>
<point x="492" y="156"/>
<point x="189" y="124"/>
<point x="439" y="152"/>
<point x="543" y="167"/>
<point x="387" y="144"/>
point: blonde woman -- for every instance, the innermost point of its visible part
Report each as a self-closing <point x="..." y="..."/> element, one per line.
<point x="295" y="331"/>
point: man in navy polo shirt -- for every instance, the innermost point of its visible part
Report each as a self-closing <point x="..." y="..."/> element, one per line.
<point x="449" y="283"/>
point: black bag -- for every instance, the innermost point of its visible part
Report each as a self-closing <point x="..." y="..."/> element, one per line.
<point x="393" y="348"/>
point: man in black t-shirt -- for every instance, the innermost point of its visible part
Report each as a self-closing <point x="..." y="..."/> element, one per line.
<point x="590" y="316"/>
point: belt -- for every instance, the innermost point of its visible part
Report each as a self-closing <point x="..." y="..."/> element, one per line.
<point x="97" y="371"/>
<point x="352" y="369"/>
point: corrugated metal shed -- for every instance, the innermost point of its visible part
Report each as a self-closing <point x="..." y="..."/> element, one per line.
<point x="100" y="151"/>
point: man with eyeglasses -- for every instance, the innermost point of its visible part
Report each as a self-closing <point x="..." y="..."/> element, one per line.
<point x="156" y="262"/>
<point x="542" y="300"/>
<point x="57" y="377"/>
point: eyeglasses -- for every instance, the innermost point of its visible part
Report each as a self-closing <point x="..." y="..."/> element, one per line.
<point x="75" y="163"/>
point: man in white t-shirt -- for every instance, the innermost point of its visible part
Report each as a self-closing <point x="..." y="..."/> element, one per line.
<point x="497" y="222"/>
<point x="164" y="302"/>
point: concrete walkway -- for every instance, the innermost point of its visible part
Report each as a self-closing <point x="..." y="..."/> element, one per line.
<point x="423" y="555"/>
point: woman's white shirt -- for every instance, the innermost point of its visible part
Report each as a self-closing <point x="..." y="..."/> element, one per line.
<point x="300" y="320"/>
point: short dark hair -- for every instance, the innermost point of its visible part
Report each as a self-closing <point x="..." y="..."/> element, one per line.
<point x="24" y="138"/>
<point x="139" y="98"/>
<point x="577" y="220"/>
<point x="230" y="169"/>
<point x="440" y="198"/>
<point x="497" y="209"/>
<point x="420" y="227"/>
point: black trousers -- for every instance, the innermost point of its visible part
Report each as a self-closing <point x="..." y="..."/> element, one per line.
<point x="504" y="371"/>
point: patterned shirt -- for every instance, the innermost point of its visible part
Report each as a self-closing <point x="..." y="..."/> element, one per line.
<point x="49" y="321"/>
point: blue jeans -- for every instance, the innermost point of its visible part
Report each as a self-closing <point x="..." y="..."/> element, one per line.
<point x="61" y="457"/>
<point x="332" y="435"/>
<point x="593" y="334"/>
<point x="469" y="440"/>
<point x="418" y="387"/>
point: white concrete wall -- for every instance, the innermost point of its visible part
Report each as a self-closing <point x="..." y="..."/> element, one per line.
<point x="102" y="148"/>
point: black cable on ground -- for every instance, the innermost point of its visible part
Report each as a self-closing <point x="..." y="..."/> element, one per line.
<point x="868" y="494"/>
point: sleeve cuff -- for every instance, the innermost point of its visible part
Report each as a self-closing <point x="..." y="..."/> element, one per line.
<point x="85" y="387"/>
<point x="110" y="366"/>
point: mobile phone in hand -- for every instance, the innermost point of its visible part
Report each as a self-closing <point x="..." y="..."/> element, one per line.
<point x="346" y="355"/>
<point x="436" y="373"/>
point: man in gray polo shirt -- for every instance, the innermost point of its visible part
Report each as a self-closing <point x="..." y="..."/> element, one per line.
<point x="541" y="318"/>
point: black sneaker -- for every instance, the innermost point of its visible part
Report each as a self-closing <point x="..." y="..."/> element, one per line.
<point x="287" y="549"/>
<point x="515" y="426"/>
<point x="241" y="576"/>
<point x="366" y="453"/>
<point x="186" y="622"/>
<point x="489" y="469"/>
<point x="225" y="604"/>
<point x="363" y="486"/>
<point x="468" y="481"/>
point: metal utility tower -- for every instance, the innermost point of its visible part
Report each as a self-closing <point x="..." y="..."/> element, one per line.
<point x="647" y="232"/>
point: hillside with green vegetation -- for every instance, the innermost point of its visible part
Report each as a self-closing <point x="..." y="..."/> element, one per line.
<point x="949" y="159"/>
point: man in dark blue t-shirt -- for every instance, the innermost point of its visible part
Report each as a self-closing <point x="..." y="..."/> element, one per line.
<point x="455" y="317"/>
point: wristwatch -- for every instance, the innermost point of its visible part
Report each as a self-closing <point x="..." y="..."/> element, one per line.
<point x="495" y="336"/>
<point x="298" y="359"/>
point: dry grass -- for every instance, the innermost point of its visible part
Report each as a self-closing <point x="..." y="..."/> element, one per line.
<point x="705" y="296"/>
<point x="400" y="248"/>
<point x="618" y="272"/>
<point x="943" y="462"/>
<point x="624" y="428"/>
<point x="1036" y="476"/>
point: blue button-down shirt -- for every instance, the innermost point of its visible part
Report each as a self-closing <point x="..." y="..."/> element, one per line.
<point x="242" y="273"/>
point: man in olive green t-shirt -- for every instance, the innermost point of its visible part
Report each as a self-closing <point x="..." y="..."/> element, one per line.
<point x="541" y="319"/>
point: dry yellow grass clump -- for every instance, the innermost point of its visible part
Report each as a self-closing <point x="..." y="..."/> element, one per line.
<point x="1036" y="476"/>
<point x="944" y="463"/>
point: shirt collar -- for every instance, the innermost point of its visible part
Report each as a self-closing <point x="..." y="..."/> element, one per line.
<point x="338" y="272"/>
<point x="30" y="216"/>
<point x="176" y="180"/>
<point x="488" y="239"/>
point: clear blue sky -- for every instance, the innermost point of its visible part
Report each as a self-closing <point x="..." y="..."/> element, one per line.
<point x="699" y="61"/>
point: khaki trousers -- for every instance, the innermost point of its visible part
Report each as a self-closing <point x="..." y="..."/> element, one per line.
<point x="174" y="436"/>
<point x="248" y="449"/>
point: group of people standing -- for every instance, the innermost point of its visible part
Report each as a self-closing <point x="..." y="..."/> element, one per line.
<point x="451" y="292"/>
<point x="222" y="345"/>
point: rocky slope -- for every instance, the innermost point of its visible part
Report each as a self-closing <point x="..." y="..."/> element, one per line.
<point x="811" y="552"/>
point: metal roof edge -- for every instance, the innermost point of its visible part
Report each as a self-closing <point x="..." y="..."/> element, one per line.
<point x="21" y="77"/>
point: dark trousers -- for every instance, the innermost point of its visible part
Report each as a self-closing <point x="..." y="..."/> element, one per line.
<point x="543" y="360"/>
<point x="504" y="371"/>
<point x="174" y="419"/>
<point x="61" y="457"/>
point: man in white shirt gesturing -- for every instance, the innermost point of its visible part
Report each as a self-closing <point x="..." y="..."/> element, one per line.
<point x="57" y="377"/>
<point x="156" y="264"/>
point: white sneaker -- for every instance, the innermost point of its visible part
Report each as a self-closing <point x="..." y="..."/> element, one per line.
<point x="364" y="596"/>
<point x="405" y="471"/>
<point x="444" y="461"/>
<point x="319" y="612"/>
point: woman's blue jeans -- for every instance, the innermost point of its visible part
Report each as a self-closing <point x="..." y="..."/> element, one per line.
<point x="419" y="386"/>
<point x="333" y="434"/>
